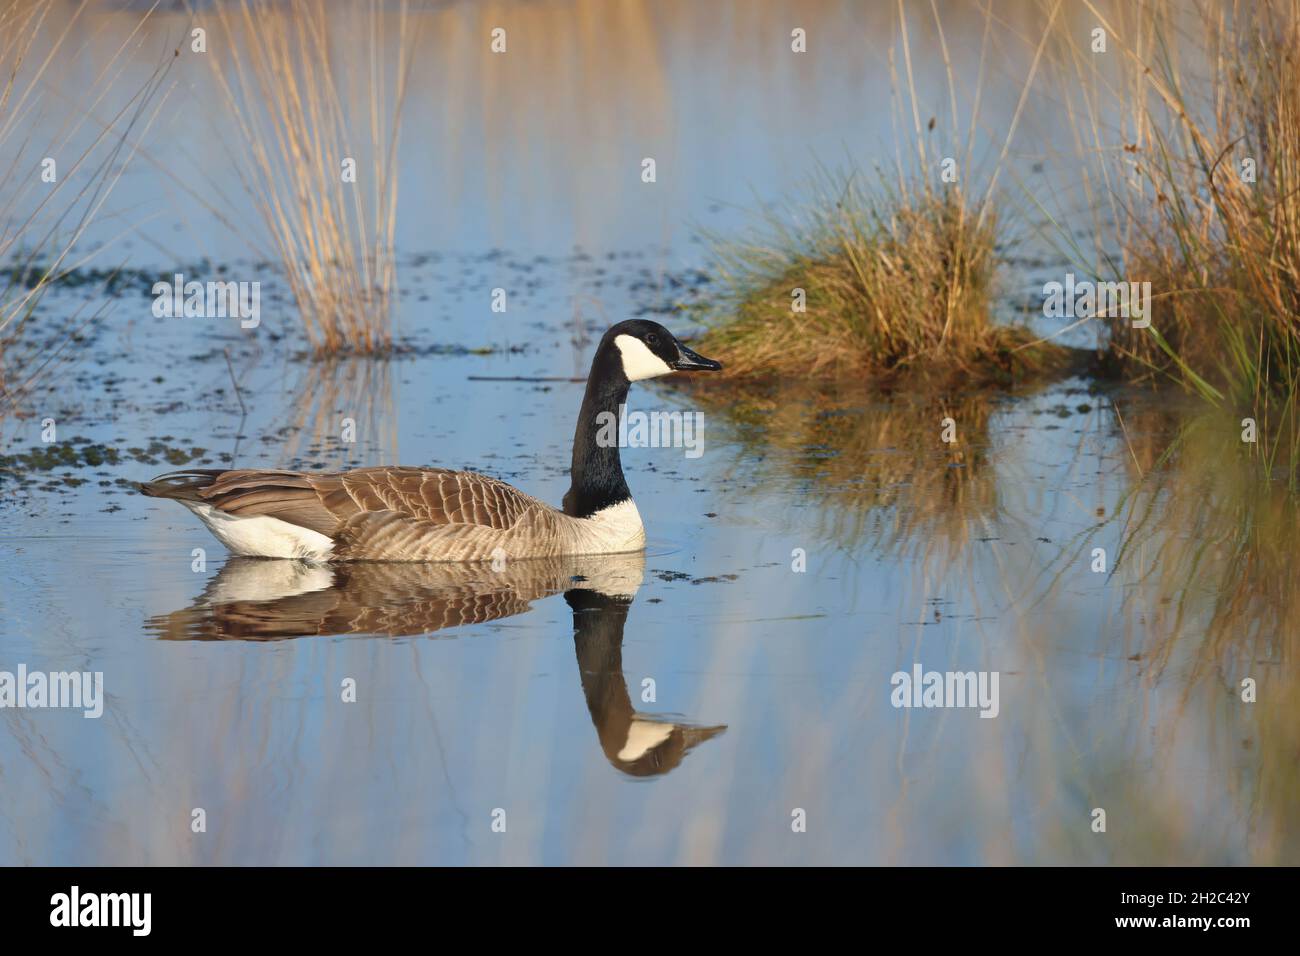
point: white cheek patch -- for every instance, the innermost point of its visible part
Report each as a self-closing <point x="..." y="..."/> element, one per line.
<point x="638" y="361"/>
<point x="642" y="736"/>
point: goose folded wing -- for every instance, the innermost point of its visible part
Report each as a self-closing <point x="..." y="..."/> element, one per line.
<point x="329" y="503"/>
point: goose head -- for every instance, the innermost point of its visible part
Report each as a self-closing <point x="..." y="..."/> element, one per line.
<point x="643" y="349"/>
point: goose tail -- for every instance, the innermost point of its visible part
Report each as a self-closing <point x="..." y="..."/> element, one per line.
<point x="180" y="485"/>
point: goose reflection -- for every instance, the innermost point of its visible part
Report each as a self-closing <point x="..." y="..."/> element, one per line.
<point x="254" y="599"/>
<point x="639" y="745"/>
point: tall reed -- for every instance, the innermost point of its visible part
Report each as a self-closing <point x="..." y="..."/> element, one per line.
<point x="304" y="105"/>
<point x="42" y="223"/>
<point x="1196" y="130"/>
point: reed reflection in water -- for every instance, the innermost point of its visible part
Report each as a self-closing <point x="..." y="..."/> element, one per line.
<point x="1198" y="593"/>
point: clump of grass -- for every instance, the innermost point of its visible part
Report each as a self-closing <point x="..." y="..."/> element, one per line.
<point x="1207" y="95"/>
<point x="894" y="277"/>
<point x="282" y="84"/>
<point x="900" y="272"/>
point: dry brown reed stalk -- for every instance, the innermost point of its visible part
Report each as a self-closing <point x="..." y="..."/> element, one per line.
<point x="1195" y="132"/>
<point x="42" y="223"/>
<point x="304" y="103"/>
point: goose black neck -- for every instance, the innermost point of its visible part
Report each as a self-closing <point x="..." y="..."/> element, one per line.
<point x="597" y="473"/>
<point x="598" y="621"/>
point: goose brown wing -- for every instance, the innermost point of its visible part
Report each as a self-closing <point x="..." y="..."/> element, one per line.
<point x="345" y="609"/>
<point x="434" y="497"/>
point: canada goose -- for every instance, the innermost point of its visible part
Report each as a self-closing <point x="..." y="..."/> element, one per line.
<point x="395" y="513"/>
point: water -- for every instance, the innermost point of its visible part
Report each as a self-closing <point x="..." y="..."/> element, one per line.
<point x="688" y="705"/>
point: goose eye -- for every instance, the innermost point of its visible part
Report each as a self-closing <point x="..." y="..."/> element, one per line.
<point x="651" y="339"/>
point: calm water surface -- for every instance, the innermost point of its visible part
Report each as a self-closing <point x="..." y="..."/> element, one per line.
<point x="678" y="706"/>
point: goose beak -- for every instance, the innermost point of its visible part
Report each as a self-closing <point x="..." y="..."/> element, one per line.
<point x="688" y="361"/>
